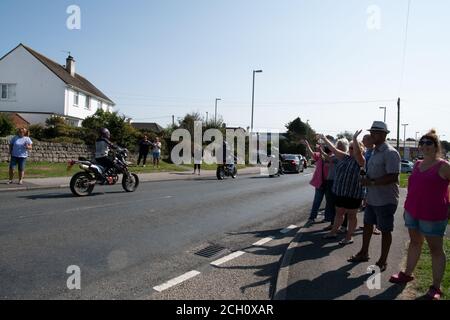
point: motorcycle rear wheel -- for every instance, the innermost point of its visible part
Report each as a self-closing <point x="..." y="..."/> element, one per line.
<point x="82" y="184"/>
<point x="220" y="173"/>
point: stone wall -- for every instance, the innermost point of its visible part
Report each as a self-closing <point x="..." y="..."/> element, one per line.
<point x="54" y="152"/>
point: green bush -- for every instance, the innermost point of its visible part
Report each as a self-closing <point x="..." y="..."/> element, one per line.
<point x="6" y="125"/>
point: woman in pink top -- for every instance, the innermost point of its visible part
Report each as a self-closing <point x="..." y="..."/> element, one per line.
<point x="427" y="212"/>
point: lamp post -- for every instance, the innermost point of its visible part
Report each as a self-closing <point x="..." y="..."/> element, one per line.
<point x="215" y="115"/>
<point x="253" y="95"/>
<point x="384" y="113"/>
<point x="404" y="139"/>
<point x="417" y="142"/>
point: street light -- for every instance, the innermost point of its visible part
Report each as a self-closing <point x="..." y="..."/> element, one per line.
<point x="417" y="142"/>
<point x="384" y="113"/>
<point x="215" y="115"/>
<point x="253" y="94"/>
<point x="404" y="140"/>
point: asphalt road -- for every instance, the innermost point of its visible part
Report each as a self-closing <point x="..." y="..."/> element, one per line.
<point x="127" y="243"/>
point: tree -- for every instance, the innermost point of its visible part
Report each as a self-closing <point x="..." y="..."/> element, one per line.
<point x="121" y="130"/>
<point x="6" y="125"/>
<point x="297" y="130"/>
<point x="346" y="134"/>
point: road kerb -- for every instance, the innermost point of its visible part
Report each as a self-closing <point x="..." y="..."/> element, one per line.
<point x="283" y="272"/>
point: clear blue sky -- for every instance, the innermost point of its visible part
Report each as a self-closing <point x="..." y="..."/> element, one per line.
<point x="320" y="60"/>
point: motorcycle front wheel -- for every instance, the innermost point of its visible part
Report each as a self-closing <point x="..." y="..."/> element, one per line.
<point x="130" y="182"/>
<point x="234" y="174"/>
<point x="82" y="184"/>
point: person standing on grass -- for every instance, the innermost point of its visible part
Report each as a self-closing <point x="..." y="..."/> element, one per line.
<point x="156" y="152"/>
<point x="144" y="149"/>
<point x="18" y="149"/>
<point x="382" y="182"/>
<point x="427" y="211"/>
<point x="347" y="187"/>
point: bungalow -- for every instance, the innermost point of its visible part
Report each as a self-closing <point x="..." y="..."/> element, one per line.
<point x="37" y="88"/>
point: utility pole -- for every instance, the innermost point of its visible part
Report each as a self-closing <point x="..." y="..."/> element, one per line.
<point x="398" y="125"/>
<point x="404" y="140"/>
<point x="173" y="120"/>
<point x="206" y="116"/>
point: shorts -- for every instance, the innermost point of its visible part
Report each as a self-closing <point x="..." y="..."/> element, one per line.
<point x="348" y="203"/>
<point x="17" y="161"/>
<point x="381" y="216"/>
<point x="156" y="155"/>
<point x="427" y="228"/>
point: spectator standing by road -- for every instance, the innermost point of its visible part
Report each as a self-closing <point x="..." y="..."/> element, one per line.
<point x="368" y="144"/>
<point x="330" y="209"/>
<point x="18" y="149"/>
<point x="144" y="149"/>
<point x="382" y="180"/>
<point x="156" y="152"/>
<point x="427" y="212"/>
<point x="347" y="187"/>
<point x="318" y="180"/>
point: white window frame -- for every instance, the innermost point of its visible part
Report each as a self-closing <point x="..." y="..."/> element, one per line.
<point x="76" y="98"/>
<point x="8" y="90"/>
<point x="87" y="102"/>
<point x="99" y="104"/>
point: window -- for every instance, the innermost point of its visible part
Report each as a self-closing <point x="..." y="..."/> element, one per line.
<point x="8" y="92"/>
<point x="99" y="105"/>
<point x="87" y="103"/>
<point x="76" y="98"/>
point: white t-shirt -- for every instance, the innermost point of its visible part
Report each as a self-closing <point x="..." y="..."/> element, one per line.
<point x="157" y="147"/>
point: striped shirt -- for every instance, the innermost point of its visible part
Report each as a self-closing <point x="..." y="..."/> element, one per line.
<point x="347" y="179"/>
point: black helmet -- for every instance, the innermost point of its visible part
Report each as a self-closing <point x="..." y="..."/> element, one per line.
<point x="104" y="132"/>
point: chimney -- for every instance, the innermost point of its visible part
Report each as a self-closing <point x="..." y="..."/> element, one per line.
<point x="70" y="65"/>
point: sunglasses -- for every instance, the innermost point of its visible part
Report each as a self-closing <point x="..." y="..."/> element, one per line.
<point x="426" y="142"/>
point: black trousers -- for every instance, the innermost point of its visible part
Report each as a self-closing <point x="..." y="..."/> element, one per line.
<point x="142" y="155"/>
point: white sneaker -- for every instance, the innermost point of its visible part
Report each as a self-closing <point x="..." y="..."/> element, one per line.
<point x="9" y="182"/>
<point x="20" y="181"/>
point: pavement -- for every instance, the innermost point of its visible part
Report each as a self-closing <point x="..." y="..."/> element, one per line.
<point x="63" y="182"/>
<point x="316" y="269"/>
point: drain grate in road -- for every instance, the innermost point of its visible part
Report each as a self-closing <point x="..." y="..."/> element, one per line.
<point x="210" y="251"/>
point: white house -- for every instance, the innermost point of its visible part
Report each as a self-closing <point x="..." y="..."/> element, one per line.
<point x="36" y="88"/>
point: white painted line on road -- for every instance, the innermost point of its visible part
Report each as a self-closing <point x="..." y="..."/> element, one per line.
<point x="227" y="258"/>
<point x="176" y="281"/>
<point x="263" y="241"/>
<point x="286" y="230"/>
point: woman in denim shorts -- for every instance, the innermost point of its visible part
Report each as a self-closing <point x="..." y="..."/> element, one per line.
<point x="427" y="212"/>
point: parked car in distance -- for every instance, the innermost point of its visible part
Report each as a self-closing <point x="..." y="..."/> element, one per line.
<point x="292" y="163"/>
<point x="407" y="167"/>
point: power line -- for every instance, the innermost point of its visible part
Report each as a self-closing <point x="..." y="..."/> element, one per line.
<point x="405" y="43"/>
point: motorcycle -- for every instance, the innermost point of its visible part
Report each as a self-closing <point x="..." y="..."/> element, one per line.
<point x="273" y="169"/>
<point x="82" y="183"/>
<point x="226" y="170"/>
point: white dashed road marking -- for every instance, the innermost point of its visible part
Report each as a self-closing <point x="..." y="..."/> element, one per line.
<point x="176" y="281"/>
<point x="286" y="230"/>
<point x="227" y="258"/>
<point x="263" y="241"/>
<point x="218" y="262"/>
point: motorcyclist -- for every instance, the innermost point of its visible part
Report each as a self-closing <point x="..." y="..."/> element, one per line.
<point x="103" y="147"/>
